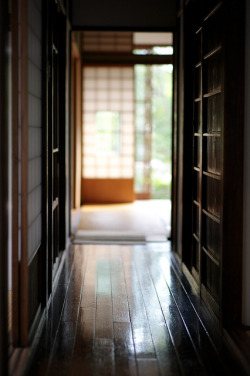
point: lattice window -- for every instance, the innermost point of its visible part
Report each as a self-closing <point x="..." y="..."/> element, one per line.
<point x="108" y="96"/>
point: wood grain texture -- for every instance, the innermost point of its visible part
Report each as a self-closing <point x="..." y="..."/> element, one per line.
<point x="159" y="328"/>
<point x="15" y="178"/>
<point x="24" y="176"/>
<point x="107" y="191"/>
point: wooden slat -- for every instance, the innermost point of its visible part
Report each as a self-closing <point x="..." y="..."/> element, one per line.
<point x="24" y="175"/>
<point x="165" y="334"/>
<point x="76" y="137"/>
<point x="109" y="59"/>
<point x="232" y="199"/>
<point x="78" y="132"/>
<point x="66" y="335"/>
<point x="3" y="190"/>
<point x="181" y="354"/>
<point x="15" y="178"/>
<point x="125" y="362"/>
<point x="86" y="323"/>
<point x="144" y="347"/>
<point x="84" y="343"/>
<point x="104" y="326"/>
<point x="119" y="293"/>
<point x="63" y="348"/>
<point x="168" y="357"/>
<point x="74" y="293"/>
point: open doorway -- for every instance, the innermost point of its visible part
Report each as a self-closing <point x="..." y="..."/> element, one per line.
<point x="153" y="131"/>
<point x="127" y="95"/>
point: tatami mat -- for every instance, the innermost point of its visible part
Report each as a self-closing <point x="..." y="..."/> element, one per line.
<point x="141" y="221"/>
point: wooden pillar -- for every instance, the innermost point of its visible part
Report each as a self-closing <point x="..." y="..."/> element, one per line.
<point x="3" y="189"/>
<point x="24" y="175"/>
<point x="15" y="262"/>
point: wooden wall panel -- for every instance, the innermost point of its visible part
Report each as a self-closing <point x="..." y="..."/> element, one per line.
<point x="15" y="179"/>
<point x="3" y="190"/>
<point x="34" y="156"/>
<point x="179" y="137"/>
<point x="34" y="287"/>
<point x="76" y="126"/>
<point x="149" y="14"/>
<point x="24" y="174"/>
<point x="107" y="191"/>
<point x="232" y="199"/>
<point x="78" y="144"/>
<point x="213" y="60"/>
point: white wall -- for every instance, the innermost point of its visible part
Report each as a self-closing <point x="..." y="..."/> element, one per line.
<point x="246" y="228"/>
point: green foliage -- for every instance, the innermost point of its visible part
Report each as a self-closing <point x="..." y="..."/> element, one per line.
<point x="161" y="112"/>
<point x="161" y="189"/>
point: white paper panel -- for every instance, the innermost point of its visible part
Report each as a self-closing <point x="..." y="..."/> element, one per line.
<point x="108" y="89"/>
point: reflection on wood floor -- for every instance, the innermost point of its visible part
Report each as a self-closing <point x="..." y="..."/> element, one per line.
<point x="127" y="310"/>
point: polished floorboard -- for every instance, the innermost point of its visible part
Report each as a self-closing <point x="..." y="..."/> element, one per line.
<point x="127" y="310"/>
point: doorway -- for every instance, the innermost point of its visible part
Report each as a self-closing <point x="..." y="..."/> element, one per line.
<point x="127" y="100"/>
<point x="153" y="131"/>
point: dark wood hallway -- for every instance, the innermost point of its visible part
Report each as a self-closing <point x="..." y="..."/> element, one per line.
<point x="127" y="310"/>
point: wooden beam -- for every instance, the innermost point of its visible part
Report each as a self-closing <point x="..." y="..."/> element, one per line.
<point x="78" y="132"/>
<point x="126" y="59"/>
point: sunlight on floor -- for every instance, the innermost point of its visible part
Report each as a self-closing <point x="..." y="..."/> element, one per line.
<point x="145" y="219"/>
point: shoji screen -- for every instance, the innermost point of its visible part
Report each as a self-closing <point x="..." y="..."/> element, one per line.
<point x="108" y="123"/>
<point x="107" y="42"/>
<point x="207" y="154"/>
<point x="217" y="159"/>
<point x="34" y="194"/>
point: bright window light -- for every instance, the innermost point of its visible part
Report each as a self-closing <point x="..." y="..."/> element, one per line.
<point x="162" y="50"/>
<point x="156" y="50"/>
<point x="108" y="125"/>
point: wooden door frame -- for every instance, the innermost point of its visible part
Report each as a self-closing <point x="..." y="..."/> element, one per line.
<point x="63" y="137"/>
<point x="76" y="126"/>
<point x="24" y="316"/>
<point x="232" y="231"/>
<point x="24" y="176"/>
<point x="15" y="176"/>
<point x="4" y="215"/>
<point x="19" y="100"/>
<point x="232" y="191"/>
<point x="47" y="261"/>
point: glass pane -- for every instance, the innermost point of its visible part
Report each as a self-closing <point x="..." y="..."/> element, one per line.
<point x="160" y="179"/>
<point x="139" y="177"/>
<point x="140" y="116"/>
<point x="156" y="50"/>
<point x="162" y="50"/>
<point x="140" y="72"/>
<point x="140" y="147"/>
<point x="162" y="130"/>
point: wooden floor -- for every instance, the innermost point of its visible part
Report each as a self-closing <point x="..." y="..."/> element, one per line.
<point x="127" y="310"/>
